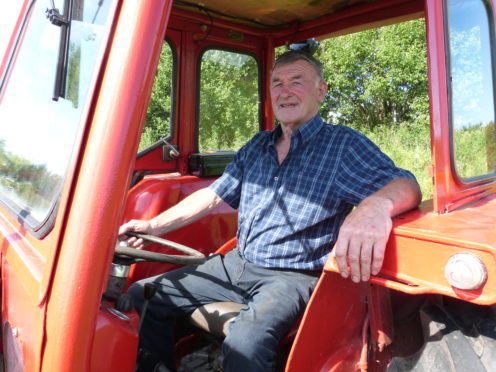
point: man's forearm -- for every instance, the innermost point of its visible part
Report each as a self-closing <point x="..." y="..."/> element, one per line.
<point x="398" y="196"/>
<point x="363" y="235"/>
<point x="190" y="209"/>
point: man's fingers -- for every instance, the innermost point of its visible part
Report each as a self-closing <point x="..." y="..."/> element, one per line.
<point x="366" y="259"/>
<point x="124" y="229"/>
<point x="378" y="257"/>
<point x="137" y="243"/>
<point x="341" y="252"/>
<point x="354" y="248"/>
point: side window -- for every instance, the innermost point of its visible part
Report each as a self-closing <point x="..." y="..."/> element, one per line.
<point x="472" y="87"/>
<point x="8" y="18"/>
<point x="160" y="114"/>
<point x="229" y="100"/>
<point x="38" y="128"/>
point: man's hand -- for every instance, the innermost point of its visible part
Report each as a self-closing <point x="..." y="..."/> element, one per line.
<point x="362" y="240"/>
<point x="364" y="233"/>
<point x="190" y="209"/>
<point x="139" y="226"/>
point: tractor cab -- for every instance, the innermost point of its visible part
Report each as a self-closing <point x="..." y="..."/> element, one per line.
<point x="116" y="110"/>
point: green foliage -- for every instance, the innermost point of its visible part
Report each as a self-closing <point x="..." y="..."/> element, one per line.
<point x="377" y="77"/>
<point x="73" y="71"/>
<point x="409" y="147"/>
<point x="377" y="84"/>
<point x="158" y="116"/>
<point x="229" y="102"/>
<point x="471" y="154"/>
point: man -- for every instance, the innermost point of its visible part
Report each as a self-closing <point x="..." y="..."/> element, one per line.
<point x="295" y="189"/>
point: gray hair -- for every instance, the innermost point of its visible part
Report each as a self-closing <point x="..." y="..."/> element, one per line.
<point x="298" y="55"/>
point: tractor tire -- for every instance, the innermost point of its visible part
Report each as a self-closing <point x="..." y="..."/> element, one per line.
<point x="458" y="337"/>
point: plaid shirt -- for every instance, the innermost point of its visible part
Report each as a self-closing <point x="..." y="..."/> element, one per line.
<point x="289" y="215"/>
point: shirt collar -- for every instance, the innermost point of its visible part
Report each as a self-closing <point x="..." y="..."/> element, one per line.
<point x="303" y="133"/>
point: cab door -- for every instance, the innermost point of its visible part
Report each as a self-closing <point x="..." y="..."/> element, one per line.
<point x="461" y="37"/>
<point x="71" y="84"/>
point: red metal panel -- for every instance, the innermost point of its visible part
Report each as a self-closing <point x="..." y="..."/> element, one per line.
<point x="116" y="338"/>
<point x="268" y="114"/>
<point x="422" y="242"/>
<point x="330" y="334"/>
<point x="27" y="265"/>
<point x="355" y="19"/>
<point x="101" y="186"/>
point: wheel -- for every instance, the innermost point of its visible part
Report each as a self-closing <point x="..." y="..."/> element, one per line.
<point x="458" y="337"/>
<point x="193" y="257"/>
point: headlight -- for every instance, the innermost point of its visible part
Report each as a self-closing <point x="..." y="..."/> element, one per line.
<point x="465" y="271"/>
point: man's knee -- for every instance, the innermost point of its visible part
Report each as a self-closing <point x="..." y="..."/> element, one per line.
<point x="249" y="343"/>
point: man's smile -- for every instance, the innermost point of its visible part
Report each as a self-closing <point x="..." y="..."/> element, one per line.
<point x="288" y="105"/>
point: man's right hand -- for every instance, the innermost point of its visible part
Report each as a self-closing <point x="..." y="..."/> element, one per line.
<point x="139" y="226"/>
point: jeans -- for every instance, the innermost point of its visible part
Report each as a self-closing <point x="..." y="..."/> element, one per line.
<point x="274" y="299"/>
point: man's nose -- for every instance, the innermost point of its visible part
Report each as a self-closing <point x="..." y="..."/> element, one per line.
<point x="286" y="90"/>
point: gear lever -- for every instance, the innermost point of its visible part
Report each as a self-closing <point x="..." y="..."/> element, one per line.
<point x="150" y="290"/>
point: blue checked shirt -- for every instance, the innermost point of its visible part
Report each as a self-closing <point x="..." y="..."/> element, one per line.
<point x="289" y="215"/>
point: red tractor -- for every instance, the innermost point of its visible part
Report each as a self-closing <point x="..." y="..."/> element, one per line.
<point x="75" y="84"/>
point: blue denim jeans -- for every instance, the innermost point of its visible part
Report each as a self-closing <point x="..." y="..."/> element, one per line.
<point x="274" y="299"/>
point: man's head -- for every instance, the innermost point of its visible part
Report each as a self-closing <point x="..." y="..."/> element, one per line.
<point x="297" y="88"/>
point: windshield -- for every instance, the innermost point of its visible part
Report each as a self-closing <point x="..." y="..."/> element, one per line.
<point x="37" y="132"/>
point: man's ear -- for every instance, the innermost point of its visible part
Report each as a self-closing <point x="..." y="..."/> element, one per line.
<point x="322" y="90"/>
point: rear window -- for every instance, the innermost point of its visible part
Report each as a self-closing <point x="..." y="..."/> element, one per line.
<point x="229" y="100"/>
<point x="39" y="122"/>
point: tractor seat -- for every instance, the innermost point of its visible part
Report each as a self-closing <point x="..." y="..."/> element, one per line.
<point x="215" y="317"/>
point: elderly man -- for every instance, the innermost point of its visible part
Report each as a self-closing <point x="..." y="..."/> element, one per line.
<point x="295" y="188"/>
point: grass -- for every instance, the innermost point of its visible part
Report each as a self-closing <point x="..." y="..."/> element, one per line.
<point x="409" y="147"/>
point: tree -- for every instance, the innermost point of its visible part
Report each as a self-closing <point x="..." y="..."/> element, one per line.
<point x="158" y="116"/>
<point x="229" y="100"/>
<point x="377" y="77"/>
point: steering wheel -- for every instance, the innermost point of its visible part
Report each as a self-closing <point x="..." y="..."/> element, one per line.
<point x="193" y="257"/>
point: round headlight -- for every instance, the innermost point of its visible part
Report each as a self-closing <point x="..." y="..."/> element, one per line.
<point x="465" y="271"/>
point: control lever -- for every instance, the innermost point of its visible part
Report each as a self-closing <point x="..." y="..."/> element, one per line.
<point x="150" y="290"/>
<point x="169" y="151"/>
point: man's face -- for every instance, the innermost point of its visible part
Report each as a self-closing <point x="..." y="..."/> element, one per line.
<point x="296" y="92"/>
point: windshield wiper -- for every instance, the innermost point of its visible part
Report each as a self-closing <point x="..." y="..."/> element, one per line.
<point x="62" y="21"/>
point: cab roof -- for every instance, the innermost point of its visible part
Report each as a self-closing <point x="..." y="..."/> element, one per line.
<point x="270" y="13"/>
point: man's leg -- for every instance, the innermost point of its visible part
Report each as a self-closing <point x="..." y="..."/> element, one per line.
<point x="180" y="292"/>
<point x="277" y="299"/>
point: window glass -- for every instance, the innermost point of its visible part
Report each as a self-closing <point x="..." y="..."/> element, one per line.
<point x="159" y="116"/>
<point x="37" y="133"/>
<point x="229" y="100"/>
<point x="8" y="19"/>
<point x="472" y="101"/>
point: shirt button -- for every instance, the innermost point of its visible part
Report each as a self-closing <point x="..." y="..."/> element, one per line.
<point x="276" y="178"/>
